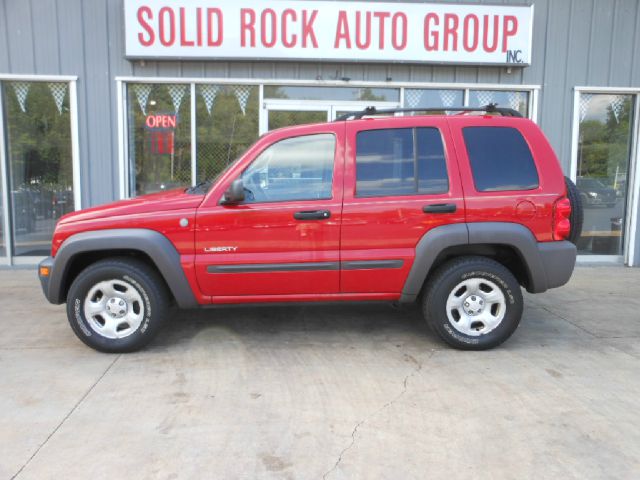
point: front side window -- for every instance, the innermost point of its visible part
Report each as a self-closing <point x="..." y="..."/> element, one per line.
<point x="500" y="159"/>
<point x="299" y="168"/>
<point x="400" y="161"/>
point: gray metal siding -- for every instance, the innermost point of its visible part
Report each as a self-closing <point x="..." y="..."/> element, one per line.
<point x="575" y="42"/>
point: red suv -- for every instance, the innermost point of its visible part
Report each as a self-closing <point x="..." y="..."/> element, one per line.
<point x="454" y="211"/>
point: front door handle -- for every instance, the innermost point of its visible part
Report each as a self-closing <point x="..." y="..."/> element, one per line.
<point x="440" y="208"/>
<point x="312" y="215"/>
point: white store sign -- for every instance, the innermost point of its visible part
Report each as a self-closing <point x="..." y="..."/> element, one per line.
<point x="329" y="30"/>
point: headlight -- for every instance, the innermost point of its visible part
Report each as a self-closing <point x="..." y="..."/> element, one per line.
<point x="592" y="194"/>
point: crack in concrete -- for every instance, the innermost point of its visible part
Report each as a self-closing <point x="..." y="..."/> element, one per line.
<point x="75" y="407"/>
<point x="416" y="369"/>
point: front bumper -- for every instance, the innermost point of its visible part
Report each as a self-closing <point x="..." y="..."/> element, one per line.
<point x="47" y="264"/>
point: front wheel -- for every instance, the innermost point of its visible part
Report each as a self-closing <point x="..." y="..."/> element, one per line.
<point x="117" y="305"/>
<point x="473" y="303"/>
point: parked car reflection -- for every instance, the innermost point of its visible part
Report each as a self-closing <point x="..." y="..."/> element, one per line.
<point x="594" y="193"/>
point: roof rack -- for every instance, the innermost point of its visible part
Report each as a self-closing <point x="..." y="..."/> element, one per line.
<point x="490" y="108"/>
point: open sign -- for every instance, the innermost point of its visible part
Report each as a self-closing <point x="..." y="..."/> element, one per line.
<point x="161" y="121"/>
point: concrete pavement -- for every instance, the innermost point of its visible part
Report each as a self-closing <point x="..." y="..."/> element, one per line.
<point x="336" y="392"/>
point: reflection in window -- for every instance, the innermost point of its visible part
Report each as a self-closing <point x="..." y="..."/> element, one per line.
<point x="400" y="161"/>
<point x="299" y="168"/>
<point x="517" y="100"/>
<point x="604" y="151"/>
<point x="226" y="125"/>
<point x="159" y="137"/>
<point x="38" y="131"/>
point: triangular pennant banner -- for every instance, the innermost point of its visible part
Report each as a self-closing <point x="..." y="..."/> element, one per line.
<point x="177" y="93"/>
<point x="209" y="93"/>
<point x="617" y="104"/>
<point x="484" y="98"/>
<point x="514" y="99"/>
<point x="242" y="93"/>
<point x="412" y="98"/>
<point x="448" y="97"/>
<point x="142" y="91"/>
<point x="58" y="91"/>
<point x="21" y="90"/>
<point x="585" y="100"/>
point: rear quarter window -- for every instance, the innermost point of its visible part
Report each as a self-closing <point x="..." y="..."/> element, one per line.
<point x="500" y="159"/>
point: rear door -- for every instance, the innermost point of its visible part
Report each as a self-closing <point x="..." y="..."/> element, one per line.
<point x="401" y="180"/>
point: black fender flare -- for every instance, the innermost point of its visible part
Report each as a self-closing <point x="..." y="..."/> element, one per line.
<point x="150" y="242"/>
<point x="548" y="264"/>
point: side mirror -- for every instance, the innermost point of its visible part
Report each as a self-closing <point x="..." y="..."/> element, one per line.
<point x="234" y="194"/>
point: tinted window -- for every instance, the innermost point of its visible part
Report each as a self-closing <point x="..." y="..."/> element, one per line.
<point x="299" y="168"/>
<point x="500" y="159"/>
<point x="400" y="161"/>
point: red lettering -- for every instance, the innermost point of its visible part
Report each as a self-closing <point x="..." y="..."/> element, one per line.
<point x="381" y="16"/>
<point x="217" y="41"/>
<point x="170" y="121"/>
<point x="473" y="45"/>
<point x="143" y="23"/>
<point x="307" y="28"/>
<point x="363" y="45"/>
<point x="287" y="41"/>
<point x="164" y="11"/>
<point x="342" y="30"/>
<point x="183" y="31"/>
<point x="199" y="26"/>
<point x="485" y="36"/>
<point x="510" y="28"/>
<point x="402" y="43"/>
<point x="247" y="25"/>
<point x="268" y="42"/>
<point x="450" y="31"/>
<point x="431" y="38"/>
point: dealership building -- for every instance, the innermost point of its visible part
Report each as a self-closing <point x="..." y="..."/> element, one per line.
<point x="109" y="99"/>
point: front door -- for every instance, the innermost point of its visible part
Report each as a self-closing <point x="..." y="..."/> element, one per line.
<point x="284" y="238"/>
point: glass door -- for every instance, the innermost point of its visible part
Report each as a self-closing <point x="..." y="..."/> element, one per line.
<point x="604" y="149"/>
<point x="279" y="116"/>
<point x="285" y="113"/>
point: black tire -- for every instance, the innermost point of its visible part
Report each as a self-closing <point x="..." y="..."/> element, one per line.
<point x="445" y="282"/>
<point x="151" y="306"/>
<point x="577" y="212"/>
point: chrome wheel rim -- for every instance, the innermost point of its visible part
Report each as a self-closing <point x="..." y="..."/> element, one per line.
<point x="476" y="306"/>
<point x="114" y="309"/>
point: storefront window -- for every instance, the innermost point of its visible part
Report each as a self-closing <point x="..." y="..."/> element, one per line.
<point x="604" y="152"/>
<point x="286" y="118"/>
<point x="226" y="125"/>
<point x="38" y="136"/>
<point x="159" y="137"/>
<point x="518" y="100"/>
<point x="432" y="98"/>
<point x="349" y="94"/>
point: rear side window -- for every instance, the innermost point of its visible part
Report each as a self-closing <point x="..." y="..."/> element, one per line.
<point x="500" y="159"/>
<point x="400" y="161"/>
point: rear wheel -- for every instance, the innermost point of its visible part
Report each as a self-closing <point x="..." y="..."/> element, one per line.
<point x="117" y="305"/>
<point x="473" y="303"/>
<point x="577" y="214"/>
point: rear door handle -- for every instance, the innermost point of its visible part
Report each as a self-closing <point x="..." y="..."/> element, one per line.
<point x="440" y="208"/>
<point x="312" y="215"/>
